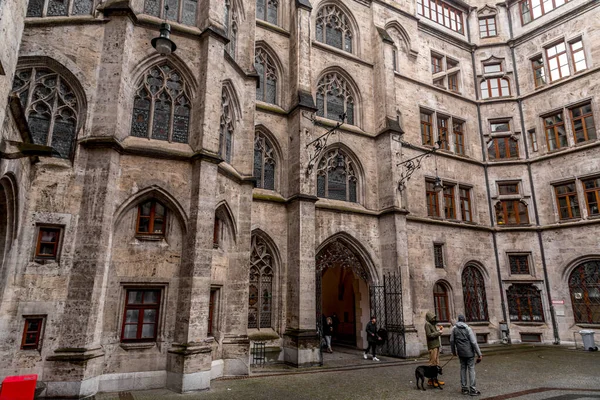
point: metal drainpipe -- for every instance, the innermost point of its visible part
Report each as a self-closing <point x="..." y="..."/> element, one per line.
<point x="487" y="186"/>
<point x="533" y="197"/>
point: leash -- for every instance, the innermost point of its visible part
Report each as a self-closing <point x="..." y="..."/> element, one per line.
<point x="448" y="361"/>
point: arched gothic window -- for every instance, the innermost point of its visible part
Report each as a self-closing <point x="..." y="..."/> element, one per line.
<point x="474" y="294"/>
<point x="51" y="108"/>
<point x="260" y="297"/>
<point x="265" y="67"/>
<point x="336" y="177"/>
<point x="333" y="28"/>
<point x="161" y="107"/>
<point x="442" y="302"/>
<point x="231" y="26"/>
<point x="152" y="218"/>
<point x="60" y="8"/>
<point x="267" y="10"/>
<point x="227" y="127"/>
<point x="525" y="303"/>
<point x="335" y="98"/>
<point x="584" y="285"/>
<point x="264" y="162"/>
<point x="182" y="11"/>
<point x="511" y="212"/>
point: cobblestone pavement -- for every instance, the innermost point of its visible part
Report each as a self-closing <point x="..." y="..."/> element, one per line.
<point x="542" y="372"/>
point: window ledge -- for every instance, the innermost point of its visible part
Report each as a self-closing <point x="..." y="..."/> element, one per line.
<point x="273" y="28"/>
<point x="269" y="107"/>
<point x="588" y="325"/>
<point x="45" y="261"/>
<point x="340" y="52"/>
<point x="479" y="323"/>
<point x="137" y="346"/>
<point x="149" y="238"/>
<point x="522" y="323"/>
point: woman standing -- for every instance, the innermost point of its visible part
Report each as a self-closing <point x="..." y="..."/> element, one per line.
<point x="328" y="331"/>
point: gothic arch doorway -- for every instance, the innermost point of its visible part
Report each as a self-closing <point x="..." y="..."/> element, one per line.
<point x="342" y="290"/>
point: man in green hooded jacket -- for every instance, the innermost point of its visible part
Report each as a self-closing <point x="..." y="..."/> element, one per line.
<point x="433" y="333"/>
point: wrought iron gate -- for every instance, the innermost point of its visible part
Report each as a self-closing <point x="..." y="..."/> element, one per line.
<point x="386" y="305"/>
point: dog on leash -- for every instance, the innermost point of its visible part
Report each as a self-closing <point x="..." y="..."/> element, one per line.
<point x="430" y="372"/>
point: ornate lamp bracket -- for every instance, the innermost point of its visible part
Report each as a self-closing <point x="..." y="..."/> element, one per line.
<point x="316" y="147"/>
<point x="413" y="164"/>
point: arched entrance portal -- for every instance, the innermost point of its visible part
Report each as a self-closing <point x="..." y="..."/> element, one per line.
<point x="342" y="288"/>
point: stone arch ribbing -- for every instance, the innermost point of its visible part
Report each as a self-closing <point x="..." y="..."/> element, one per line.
<point x="351" y="20"/>
<point x="155" y="59"/>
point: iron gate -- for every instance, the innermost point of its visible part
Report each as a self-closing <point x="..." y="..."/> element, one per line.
<point x="386" y="305"/>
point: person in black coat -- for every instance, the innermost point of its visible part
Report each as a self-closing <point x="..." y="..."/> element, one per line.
<point x="372" y="338"/>
<point x="328" y="332"/>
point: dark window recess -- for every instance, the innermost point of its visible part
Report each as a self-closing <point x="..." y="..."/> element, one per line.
<point x="584" y="285"/>
<point x="531" y="337"/>
<point x="32" y="333"/>
<point x="152" y="218"/>
<point x="445" y="340"/>
<point x="474" y="294"/>
<point x="525" y="303"/>
<point x="519" y="264"/>
<point x="211" y="311"/>
<point x="442" y="302"/>
<point x="438" y="255"/>
<point x="47" y="243"/>
<point x="482" y="338"/>
<point x="140" y="319"/>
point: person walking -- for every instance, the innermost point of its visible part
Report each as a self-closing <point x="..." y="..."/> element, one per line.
<point x="433" y="333"/>
<point x="463" y="343"/>
<point x="328" y="332"/>
<point x="372" y="338"/>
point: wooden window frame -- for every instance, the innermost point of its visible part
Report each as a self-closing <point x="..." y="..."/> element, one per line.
<point x="595" y="191"/>
<point x="213" y="310"/>
<point x="572" y="201"/>
<point x="505" y="213"/>
<point x="582" y="117"/>
<point x="523" y="268"/>
<point x="427" y="126"/>
<point x="217" y="233"/>
<point x="449" y="202"/>
<point x="487" y="27"/>
<point x="541" y="66"/>
<point x="39" y="242"/>
<point x="141" y="307"/>
<point x="459" y="136"/>
<point x="466" y="199"/>
<point x="453" y="82"/>
<point x="528" y="306"/>
<point x="506" y="140"/>
<point x="530" y="9"/>
<point x="438" y="255"/>
<point x="500" y="91"/>
<point x="442" y="128"/>
<point x="450" y="16"/>
<point x="437" y="295"/>
<point x="582" y="49"/>
<point x="39" y="332"/>
<point x="437" y="63"/>
<point x="432" y="199"/>
<point x="492" y="64"/>
<point x="557" y="55"/>
<point x="151" y="219"/>
<point x="533" y="139"/>
<point x="554" y="127"/>
<point x="507" y="184"/>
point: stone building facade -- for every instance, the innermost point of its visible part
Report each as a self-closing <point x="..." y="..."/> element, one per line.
<point x="154" y="248"/>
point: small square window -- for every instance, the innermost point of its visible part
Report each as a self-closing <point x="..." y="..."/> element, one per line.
<point x="492" y="68"/>
<point x="508" y="188"/>
<point x="32" y="332"/>
<point x="48" y="243"/>
<point x="519" y="264"/>
<point x="438" y="255"/>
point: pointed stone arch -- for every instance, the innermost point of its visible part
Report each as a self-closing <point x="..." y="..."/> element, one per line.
<point x="266" y="53"/>
<point x="349" y="88"/>
<point x="404" y="36"/>
<point x="271" y="155"/>
<point x="224" y="213"/>
<point x="9" y="223"/>
<point x="153" y="58"/>
<point x="354" y="27"/>
<point x="353" y="168"/>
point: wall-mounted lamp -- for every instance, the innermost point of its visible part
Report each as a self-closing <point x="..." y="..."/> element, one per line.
<point x="163" y="44"/>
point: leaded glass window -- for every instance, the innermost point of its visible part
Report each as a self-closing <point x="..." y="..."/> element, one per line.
<point x="260" y="296"/>
<point x="226" y="127"/>
<point x="60" y="8"/>
<point x="442" y="302"/>
<point x="182" y="11"/>
<point x="265" y="67"/>
<point x="231" y="23"/>
<point x="334" y="98"/>
<point x="267" y="10"/>
<point x="474" y="294"/>
<point x="51" y="108"/>
<point x="525" y="303"/>
<point x="584" y="285"/>
<point x="336" y="177"/>
<point x="333" y="28"/>
<point x="161" y="107"/>
<point x="264" y="162"/>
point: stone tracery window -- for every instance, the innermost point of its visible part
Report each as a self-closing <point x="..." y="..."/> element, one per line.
<point x="336" y="177"/>
<point x="265" y="67"/>
<point x="260" y="296"/>
<point x="525" y="303"/>
<point x="182" y="11"/>
<point x="474" y="295"/>
<point x="334" y="98"/>
<point x="231" y="23"/>
<point x="51" y="108"/>
<point x="226" y="127"/>
<point x="59" y="8"/>
<point x="264" y="162"/>
<point x="266" y="10"/>
<point x="584" y="285"/>
<point x="161" y="107"/>
<point x="333" y="28"/>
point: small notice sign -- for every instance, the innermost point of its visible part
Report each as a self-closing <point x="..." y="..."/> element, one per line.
<point x="558" y="302"/>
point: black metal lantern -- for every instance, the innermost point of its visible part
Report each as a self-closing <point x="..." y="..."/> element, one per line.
<point x="163" y="44"/>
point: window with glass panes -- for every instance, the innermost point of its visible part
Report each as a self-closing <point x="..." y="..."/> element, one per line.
<point x="333" y="28"/>
<point x="152" y="218"/>
<point x="47" y="243"/>
<point x="449" y="206"/>
<point x="212" y="305"/>
<point x="492" y="68"/>
<point x="32" y="333"/>
<point x="525" y="303"/>
<point x="336" y="177"/>
<point x="503" y="147"/>
<point x="426" y="129"/>
<point x="140" y="318"/>
<point x="591" y="189"/>
<point x="567" y="201"/>
<point x="578" y="55"/>
<point x="539" y="74"/>
<point x="453" y="82"/>
<point x="441" y="301"/>
<point x="63" y="8"/>
<point x="519" y="264"/>
<point x="532" y="9"/>
<point x="442" y="126"/>
<point x="558" y="62"/>
<point x="264" y="162"/>
<point x="438" y="255"/>
<point x="511" y="212"/>
<point x="533" y="139"/>
<point x="335" y="98"/>
<point x="582" y="119"/>
<point x="437" y="64"/>
<point x="494" y="87"/>
<point x="182" y="11"/>
<point x="433" y="208"/>
<point x="267" y="74"/>
<point x="556" y="134"/>
<point x="487" y="27"/>
<point x="505" y="189"/>
<point x="441" y="13"/>
<point x="266" y="10"/>
<point x="465" y="204"/>
<point x="501" y="126"/>
<point x="459" y="137"/>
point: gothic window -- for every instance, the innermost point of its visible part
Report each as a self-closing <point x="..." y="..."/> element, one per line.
<point x="260" y="296"/>
<point x="584" y="285"/>
<point x="335" y="98"/>
<point x="336" y="177"/>
<point x="152" y="218"/>
<point x="442" y="302"/>
<point x="231" y="23"/>
<point x="333" y="28"/>
<point x="59" y="8"/>
<point x="161" y="107"/>
<point x="264" y="162"/>
<point x="51" y="108"/>
<point x="182" y="11"/>
<point x="511" y="212"/>
<point x="226" y="128"/>
<point x="265" y="67"/>
<point x="266" y="10"/>
<point x="525" y="303"/>
<point x="474" y="294"/>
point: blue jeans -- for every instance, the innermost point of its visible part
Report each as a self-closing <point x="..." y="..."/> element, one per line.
<point x="467" y="364"/>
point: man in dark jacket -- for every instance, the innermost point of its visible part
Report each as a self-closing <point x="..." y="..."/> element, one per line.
<point x="464" y="344"/>
<point x="372" y="338"/>
<point x="433" y="333"/>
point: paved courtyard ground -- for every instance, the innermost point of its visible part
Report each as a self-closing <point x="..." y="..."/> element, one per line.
<point x="524" y="372"/>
